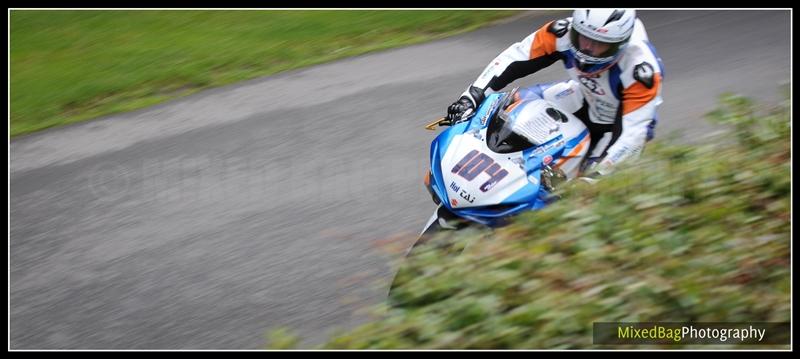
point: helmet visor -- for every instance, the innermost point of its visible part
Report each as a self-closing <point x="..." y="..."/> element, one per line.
<point x="593" y="51"/>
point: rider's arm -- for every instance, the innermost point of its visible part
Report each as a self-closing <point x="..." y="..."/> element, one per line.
<point x="640" y="98"/>
<point x="523" y="58"/>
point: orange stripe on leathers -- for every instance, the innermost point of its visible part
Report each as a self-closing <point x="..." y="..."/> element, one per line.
<point x="544" y="43"/>
<point x="572" y="153"/>
<point x="638" y="95"/>
<point x="517" y="101"/>
<point x="511" y="107"/>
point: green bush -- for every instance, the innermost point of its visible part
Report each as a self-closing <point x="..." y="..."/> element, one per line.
<point x="695" y="233"/>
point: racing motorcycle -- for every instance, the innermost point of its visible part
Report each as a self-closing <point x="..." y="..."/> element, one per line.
<point x="506" y="157"/>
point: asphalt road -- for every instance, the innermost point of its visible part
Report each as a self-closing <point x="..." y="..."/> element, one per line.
<point x="284" y="201"/>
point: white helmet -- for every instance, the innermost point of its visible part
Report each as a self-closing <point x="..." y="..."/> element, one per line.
<point x="611" y="28"/>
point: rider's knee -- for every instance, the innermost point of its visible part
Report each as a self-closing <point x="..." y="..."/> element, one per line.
<point x="651" y="129"/>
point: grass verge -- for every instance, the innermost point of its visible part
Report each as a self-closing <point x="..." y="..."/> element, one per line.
<point x="70" y="66"/>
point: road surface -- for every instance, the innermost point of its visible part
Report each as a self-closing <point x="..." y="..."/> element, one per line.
<point x="284" y="201"/>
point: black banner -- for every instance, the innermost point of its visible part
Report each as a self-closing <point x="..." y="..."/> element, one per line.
<point x="690" y="333"/>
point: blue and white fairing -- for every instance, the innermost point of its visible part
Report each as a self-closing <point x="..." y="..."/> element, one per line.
<point x="482" y="185"/>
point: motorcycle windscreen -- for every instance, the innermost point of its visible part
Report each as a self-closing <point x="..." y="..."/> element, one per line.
<point x="522" y="125"/>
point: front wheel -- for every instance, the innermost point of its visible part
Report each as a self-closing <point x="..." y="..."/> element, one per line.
<point x="438" y="233"/>
<point x="442" y="220"/>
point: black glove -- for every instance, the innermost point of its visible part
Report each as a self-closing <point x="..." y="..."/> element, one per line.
<point x="469" y="100"/>
<point x="459" y="108"/>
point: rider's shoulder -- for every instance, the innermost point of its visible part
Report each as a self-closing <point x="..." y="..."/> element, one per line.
<point x="639" y="52"/>
<point x="558" y="27"/>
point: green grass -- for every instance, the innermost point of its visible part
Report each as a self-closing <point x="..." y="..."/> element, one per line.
<point x="69" y="66"/>
<point x="687" y="234"/>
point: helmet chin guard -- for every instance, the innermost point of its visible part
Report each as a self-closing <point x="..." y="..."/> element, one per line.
<point x="588" y="69"/>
